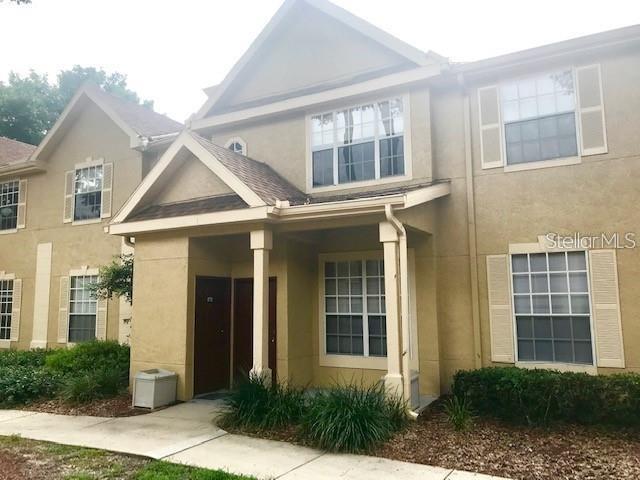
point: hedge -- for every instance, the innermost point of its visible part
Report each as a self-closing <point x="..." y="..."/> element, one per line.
<point x="539" y="397"/>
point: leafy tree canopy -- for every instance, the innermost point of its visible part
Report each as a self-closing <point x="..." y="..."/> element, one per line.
<point x="30" y="105"/>
<point x="115" y="279"/>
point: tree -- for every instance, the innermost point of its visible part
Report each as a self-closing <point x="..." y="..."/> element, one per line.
<point x="115" y="279"/>
<point x="30" y="105"/>
<point x="19" y="2"/>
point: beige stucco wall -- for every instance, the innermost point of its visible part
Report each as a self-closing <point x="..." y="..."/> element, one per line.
<point x="92" y="135"/>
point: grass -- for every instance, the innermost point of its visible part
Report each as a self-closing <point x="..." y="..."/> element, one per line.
<point x="35" y="460"/>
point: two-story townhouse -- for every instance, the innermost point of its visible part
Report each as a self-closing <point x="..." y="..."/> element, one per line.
<point x="346" y="206"/>
<point x="56" y="200"/>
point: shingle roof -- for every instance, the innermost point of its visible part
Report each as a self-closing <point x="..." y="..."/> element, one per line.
<point x="211" y="204"/>
<point x="13" y="151"/>
<point x="384" y="192"/>
<point x="143" y="120"/>
<point x="258" y="176"/>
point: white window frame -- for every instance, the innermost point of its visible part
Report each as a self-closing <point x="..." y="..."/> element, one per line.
<point x="554" y="162"/>
<point x="82" y="272"/>
<point x="80" y="166"/>
<point x="6" y="343"/>
<point x="240" y="141"/>
<point x="12" y="230"/>
<point x="533" y="248"/>
<point x="406" y="117"/>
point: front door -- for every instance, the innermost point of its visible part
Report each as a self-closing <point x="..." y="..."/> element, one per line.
<point x="243" y="326"/>
<point x="212" y="334"/>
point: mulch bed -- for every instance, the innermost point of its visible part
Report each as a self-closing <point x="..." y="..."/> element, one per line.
<point x="568" y="452"/>
<point x="119" y="406"/>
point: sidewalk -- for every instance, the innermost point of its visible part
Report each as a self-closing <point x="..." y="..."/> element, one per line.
<point x="185" y="434"/>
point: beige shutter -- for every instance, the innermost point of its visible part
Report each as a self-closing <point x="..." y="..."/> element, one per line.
<point x="101" y="319"/>
<point x="63" y="312"/>
<point x="500" y="318"/>
<point x="22" y="204"/>
<point x="606" y="308"/>
<point x="490" y="127"/>
<point x="593" y="134"/>
<point x="15" y="310"/>
<point x="107" y="187"/>
<point x="69" y="184"/>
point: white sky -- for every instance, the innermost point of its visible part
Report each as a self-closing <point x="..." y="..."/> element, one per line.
<point x="171" y="49"/>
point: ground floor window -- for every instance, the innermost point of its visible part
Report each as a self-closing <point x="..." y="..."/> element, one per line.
<point x="6" y="308"/>
<point x="552" y="307"/>
<point x="82" y="309"/>
<point x="354" y="308"/>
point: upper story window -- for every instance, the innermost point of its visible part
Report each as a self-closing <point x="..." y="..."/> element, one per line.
<point x="9" y="197"/>
<point x="539" y="115"/>
<point x="88" y="193"/>
<point x="237" y="145"/>
<point x="551" y="304"/>
<point x="361" y="143"/>
<point x="82" y="309"/>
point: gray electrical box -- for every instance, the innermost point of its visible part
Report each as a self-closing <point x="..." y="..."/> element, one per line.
<point x="154" y="388"/>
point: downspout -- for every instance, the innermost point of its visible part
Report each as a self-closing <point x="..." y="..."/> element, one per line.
<point x="471" y="230"/>
<point x="404" y="306"/>
<point x="128" y="241"/>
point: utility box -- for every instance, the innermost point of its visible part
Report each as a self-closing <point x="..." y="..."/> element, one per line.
<point x="154" y="388"/>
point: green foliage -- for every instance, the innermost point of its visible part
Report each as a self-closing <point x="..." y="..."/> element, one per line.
<point x="23" y="358"/>
<point x="86" y="356"/>
<point x="539" y="397"/>
<point x="22" y="384"/>
<point x="91" y="385"/>
<point x="352" y="418"/>
<point x="254" y="403"/>
<point x="459" y="413"/>
<point x="171" y="471"/>
<point x="115" y="279"/>
<point x="30" y="105"/>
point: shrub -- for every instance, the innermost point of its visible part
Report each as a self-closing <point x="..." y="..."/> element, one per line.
<point x="254" y="403"/>
<point x="352" y="418"/>
<point x="23" y="358"/>
<point x="20" y="384"/>
<point x="87" y="356"/>
<point x="459" y="413"/>
<point x="539" y="397"/>
<point x="88" y="386"/>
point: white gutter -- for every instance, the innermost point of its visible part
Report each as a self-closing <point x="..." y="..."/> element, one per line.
<point x="404" y="305"/>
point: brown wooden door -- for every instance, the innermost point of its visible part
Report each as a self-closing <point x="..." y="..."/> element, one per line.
<point x="212" y="342"/>
<point x="243" y="327"/>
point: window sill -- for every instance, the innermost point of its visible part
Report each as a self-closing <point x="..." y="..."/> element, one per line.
<point x="562" y="367"/>
<point x="87" y="222"/>
<point x="353" y="361"/>
<point x="8" y="231"/>
<point x="363" y="183"/>
<point x="556" y="162"/>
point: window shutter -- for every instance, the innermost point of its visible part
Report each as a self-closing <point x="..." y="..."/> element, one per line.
<point x="606" y="308"/>
<point x="68" y="196"/>
<point x="107" y="187"/>
<point x="15" y="310"/>
<point x="101" y="319"/>
<point x="593" y="134"/>
<point x="22" y="204"/>
<point x="501" y="321"/>
<point x="490" y="127"/>
<point x="63" y="312"/>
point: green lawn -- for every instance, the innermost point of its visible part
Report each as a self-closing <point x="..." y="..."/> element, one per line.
<point x="33" y="460"/>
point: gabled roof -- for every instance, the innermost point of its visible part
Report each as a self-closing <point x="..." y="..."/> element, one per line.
<point x="140" y="123"/>
<point x="254" y="182"/>
<point x="412" y="54"/>
<point x="13" y="151"/>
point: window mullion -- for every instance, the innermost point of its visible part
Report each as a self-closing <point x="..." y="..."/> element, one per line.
<point x="335" y="149"/>
<point x="365" y="313"/>
<point x="376" y="141"/>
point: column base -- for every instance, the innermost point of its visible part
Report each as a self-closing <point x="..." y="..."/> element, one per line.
<point x="393" y="384"/>
<point x="264" y="373"/>
<point x="38" y="344"/>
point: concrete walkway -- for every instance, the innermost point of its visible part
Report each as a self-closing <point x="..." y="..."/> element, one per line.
<point x="186" y="434"/>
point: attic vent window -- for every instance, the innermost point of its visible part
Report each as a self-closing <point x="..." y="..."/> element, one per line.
<point x="237" y="145"/>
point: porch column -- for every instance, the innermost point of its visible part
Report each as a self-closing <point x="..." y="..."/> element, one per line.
<point x="261" y="243"/>
<point x="389" y="239"/>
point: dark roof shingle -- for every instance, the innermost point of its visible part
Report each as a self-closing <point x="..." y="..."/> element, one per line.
<point x="13" y="151"/>
<point x="211" y="204"/>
